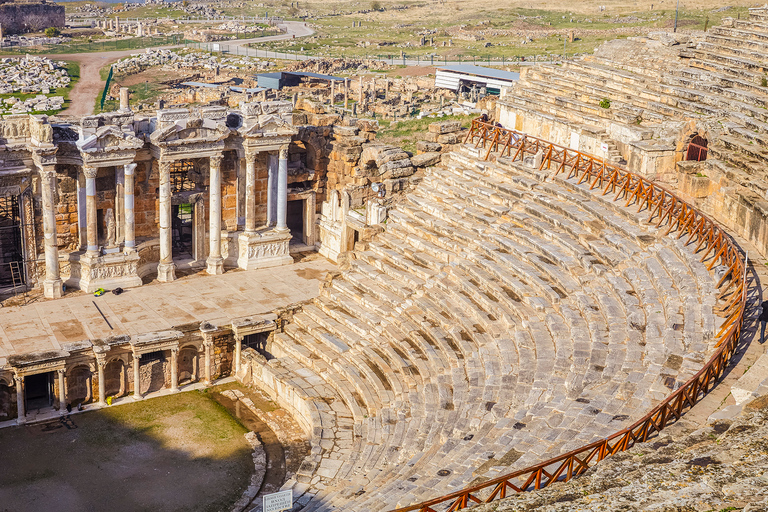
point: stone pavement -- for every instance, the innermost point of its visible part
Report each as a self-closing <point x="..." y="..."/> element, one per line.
<point x="218" y="299"/>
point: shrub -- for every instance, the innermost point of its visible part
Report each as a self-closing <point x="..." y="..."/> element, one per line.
<point x="764" y="81"/>
<point x="605" y="103"/>
<point x="52" y="32"/>
<point x="375" y="5"/>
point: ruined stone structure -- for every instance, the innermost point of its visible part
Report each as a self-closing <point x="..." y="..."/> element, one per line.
<point x="689" y="113"/>
<point x="18" y="17"/>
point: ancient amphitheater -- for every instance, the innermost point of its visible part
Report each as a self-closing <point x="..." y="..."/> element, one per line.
<point x="550" y="294"/>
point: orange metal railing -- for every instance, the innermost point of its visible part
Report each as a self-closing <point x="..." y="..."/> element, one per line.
<point x="665" y="209"/>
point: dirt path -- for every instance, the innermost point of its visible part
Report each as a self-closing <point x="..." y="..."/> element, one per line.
<point x="87" y="89"/>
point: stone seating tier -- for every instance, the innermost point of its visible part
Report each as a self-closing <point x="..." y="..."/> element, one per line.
<point x="499" y="319"/>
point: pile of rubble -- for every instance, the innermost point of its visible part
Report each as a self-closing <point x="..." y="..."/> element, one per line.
<point x="170" y="59"/>
<point x="234" y="26"/>
<point x="332" y="66"/>
<point x="40" y="103"/>
<point x="31" y="74"/>
<point x="33" y="41"/>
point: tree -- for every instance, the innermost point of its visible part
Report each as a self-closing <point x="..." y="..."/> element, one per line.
<point x="52" y="32"/>
<point x="376" y="5"/>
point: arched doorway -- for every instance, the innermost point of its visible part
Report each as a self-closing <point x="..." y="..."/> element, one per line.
<point x="79" y="385"/>
<point x="114" y="378"/>
<point x="697" y="149"/>
<point x="188" y="365"/>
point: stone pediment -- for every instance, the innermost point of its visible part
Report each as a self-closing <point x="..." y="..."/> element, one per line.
<point x="193" y="130"/>
<point x="270" y="125"/>
<point x="109" y="138"/>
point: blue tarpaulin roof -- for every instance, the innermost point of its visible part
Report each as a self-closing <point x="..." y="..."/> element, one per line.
<point x="469" y="69"/>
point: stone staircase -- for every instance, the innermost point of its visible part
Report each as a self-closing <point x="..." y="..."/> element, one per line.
<point x="499" y="320"/>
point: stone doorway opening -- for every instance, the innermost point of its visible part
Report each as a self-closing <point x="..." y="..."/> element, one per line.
<point x="258" y="342"/>
<point x="38" y="391"/>
<point x="295" y="220"/>
<point x="11" y="252"/>
<point x="697" y="149"/>
<point x="182" y="221"/>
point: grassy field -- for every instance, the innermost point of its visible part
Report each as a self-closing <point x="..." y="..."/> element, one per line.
<point x="405" y="134"/>
<point x="95" y="46"/>
<point x="181" y="452"/>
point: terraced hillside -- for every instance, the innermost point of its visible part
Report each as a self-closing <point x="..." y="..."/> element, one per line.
<point x="500" y="319"/>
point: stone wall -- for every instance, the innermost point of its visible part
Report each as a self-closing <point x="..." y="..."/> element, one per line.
<point x="19" y="17"/>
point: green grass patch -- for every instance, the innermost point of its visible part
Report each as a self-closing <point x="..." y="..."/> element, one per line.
<point x="406" y="133"/>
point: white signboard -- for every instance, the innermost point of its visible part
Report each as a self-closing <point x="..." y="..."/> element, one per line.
<point x="216" y="47"/>
<point x="604" y="147"/>
<point x="278" y="501"/>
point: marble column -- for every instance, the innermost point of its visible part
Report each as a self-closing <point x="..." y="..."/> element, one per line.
<point x="128" y="217"/>
<point x="174" y="369"/>
<point x="346" y="93"/>
<point x="208" y="347"/>
<point x="271" y="186"/>
<point x="20" y="409"/>
<point x="238" y="352"/>
<point x="52" y="283"/>
<point x="136" y="377"/>
<point x="250" y="193"/>
<point x="62" y="393"/>
<point x="282" y="190"/>
<point x="333" y="92"/>
<point x="119" y="205"/>
<point x="82" y="228"/>
<point x="92" y="235"/>
<point x="360" y="93"/>
<point x="215" y="261"/>
<point x="166" y="268"/>
<point x="102" y="385"/>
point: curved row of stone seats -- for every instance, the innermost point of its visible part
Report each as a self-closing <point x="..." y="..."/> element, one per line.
<point x="498" y="320"/>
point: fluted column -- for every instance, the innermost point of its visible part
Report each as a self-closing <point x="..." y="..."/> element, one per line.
<point x="52" y="283"/>
<point x="129" y="219"/>
<point x="215" y="261"/>
<point x="282" y="190"/>
<point x="82" y="223"/>
<point x="136" y="377"/>
<point x="166" y="268"/>
<point x="102" y="385"/>
<point x="62" y="393"/>
<point x="250" y="193"/>
<point x="90" y="209"/>
<point x="174" y="369"/>
<point x="20" y="409"/>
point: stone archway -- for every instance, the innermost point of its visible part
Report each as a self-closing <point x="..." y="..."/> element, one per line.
<point x="115" y="378"/>
<point x="188" y="364"/>
<point x="79" y="385"/>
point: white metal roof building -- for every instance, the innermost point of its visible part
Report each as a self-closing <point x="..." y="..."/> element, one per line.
<point x="451" y="77"/>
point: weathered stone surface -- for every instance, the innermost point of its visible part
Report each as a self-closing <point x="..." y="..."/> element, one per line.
<point x="424" y="146"/>
<point x="425" y="159"/>
<point x="368" y="125"/>
<point x="445" y="127"/>
<point x="309" y="105"/>
<point x="448" y="138"/>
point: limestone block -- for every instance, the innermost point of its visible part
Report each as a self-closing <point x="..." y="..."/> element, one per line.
<point x="347" y="154"/>
<point x="277" y="107"/>
<point x="351" y="141"/>
<point x="424" y="146"/>
<point x="448" y="138"/>
<point x="425" y="159"/>
<point x="368" y="125"/>
<point x="345" y="131"/>
<point x="445" y="127"/>
<point x="299" y="119"/>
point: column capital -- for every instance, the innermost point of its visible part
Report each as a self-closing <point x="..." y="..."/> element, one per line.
<point x="129" y="168"/>
<point x="174" y="350"/>
<point x="47" y="172"/>
<point x="90" y="171"/>
<point x="62" y="372"/>
<point x="215" y="160"/>
<point x="165" y="165"/>
<point x="136" y="357"/>
<point x="284" y="152"/>
<point x="250" y="156"/>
